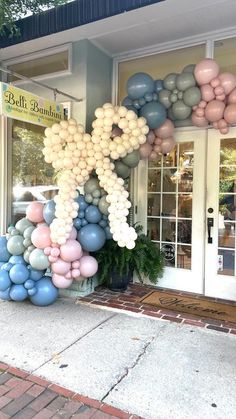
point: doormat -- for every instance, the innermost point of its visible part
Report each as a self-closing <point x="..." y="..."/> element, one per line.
<point x="199" y="307"/>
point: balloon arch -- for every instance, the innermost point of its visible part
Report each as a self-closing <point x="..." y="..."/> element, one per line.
<point x="49" y="248"/>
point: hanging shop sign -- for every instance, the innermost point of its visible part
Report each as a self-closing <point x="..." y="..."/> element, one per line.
<point x="19" y="104"/>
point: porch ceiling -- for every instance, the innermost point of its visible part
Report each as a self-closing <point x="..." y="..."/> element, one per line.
<point x="163" y="22"/>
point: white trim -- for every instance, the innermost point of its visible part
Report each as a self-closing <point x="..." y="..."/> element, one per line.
<point x="41" y="54"/>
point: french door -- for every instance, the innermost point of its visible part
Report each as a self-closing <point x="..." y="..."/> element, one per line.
<point x="186" y="203"/>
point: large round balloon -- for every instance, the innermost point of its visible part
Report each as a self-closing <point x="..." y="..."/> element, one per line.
<point x="230" y="113"/>
<point x="61" y="267"/>
<point x="214" y="110"/>
<point x="18" y="293"/>
<point x="88" y="266"/>
<point x="155" y="114"/>
<point x="122" y="169"/>
<point x="71" y="250"/>
<point x="139" y="84"/>
<point x="5" y="295"/>
<point x="4" y="253"/>
<point x="184" y="81"/>
<point x="132" y="159"/>
<point x="205" y="71"/>
<point x="92" y="237"/>
<point x="5" y="281"/>
<point x="19" y="273"/>
<point x="91" y="185"/>
<point x="192" y="96"/>
<point x="38" y="260"/>
<point x="228" y="82"/>
<point x="103" y="205"/>
<point x="61" y="282"/>
<point x="92" y="214"/>
<point x="46" y="292"/>
<point x="49" y="211"/>
<point x="169" y="81"/>
<point x="23" y="224"/>
<point x="180" y="110"/>
<point x="34" y="212"/>
<point x="165" y="130"/>
<point x="15" y="245"/>
<point x="41" y="237"/>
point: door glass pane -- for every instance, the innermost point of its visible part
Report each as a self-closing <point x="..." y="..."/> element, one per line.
<point x="32" y="178"/>
<point x="227" y="207"/>
<point x="172" y="178"/>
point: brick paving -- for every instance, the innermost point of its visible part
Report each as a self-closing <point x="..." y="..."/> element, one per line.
<point x="26" y="396"/>
<point x="129" y="301"/>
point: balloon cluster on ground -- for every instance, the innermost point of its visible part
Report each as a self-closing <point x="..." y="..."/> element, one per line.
<point x="200" y="95"/>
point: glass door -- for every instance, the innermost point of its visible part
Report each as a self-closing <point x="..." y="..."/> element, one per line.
<point x="220" y="269"/>
<point x="171" y="206"/>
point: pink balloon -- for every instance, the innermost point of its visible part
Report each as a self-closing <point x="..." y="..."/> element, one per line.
<point x="205" y="71"/>
<point x="55" y="252"/>
<point x="157" y="148"/>
<point x="199" y="121"/>
<point x="232" y="97"/>
<point x="165" y="130"/>
<point x="215" y="125"/>
<point x="224" y="130"/>
<point x="228" y="82"/>
<point x="61" y="282"/>
<point x="150" y="137"/>
<point x="75" y="273"/>
<point x="158" y="141"/>
<point x="68" y="275"/>
<point x="215" y="82"/>
<point x="73" y="233"/>
<point x="55" y="245"/>
<point x="47" y="251"/>
<point x="41" y="237"/>
<point x="201" y="104"/>
<point x="219" y="90"/>
<point x="200" y="112"/>
<point x="153" y="156"/>
<point x="145" y="150"/>
<point x="230" y="113"/>
<point x="167" y="145"/>
<point x="222" y="123"/>
<point x="52" y="259"/>
<point x="195" y="107"/>
<point x="71" y="250"/>
<point x="220" y="97"/>
<point x="76" y="264"/>
<point x="34" y="212"/>
<point x="88" y="266"/>
<point x="61" y="267"/>
<point x="214" y="110"/>
<point x="207" y="92"/>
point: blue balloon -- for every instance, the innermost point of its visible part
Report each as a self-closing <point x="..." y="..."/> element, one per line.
<point x="29" y="284"/>
<point x="1" y="264"/>
<point x="35" y="274"/>
<point x="108" y="233"/>
<point x="5" y="281"/>
<point x="84" y="222"/>
<point x="142" y="101"/>
<point x="155" y="114"/>
<point x="92" y="237"/>
<point x="17" y="259"/>
<point x="32" y="291"/>
<point x="7" y="266"/>
<point x="155" y="96"/>
<point x="127" y="102"/>
<point x="19" y="273"/>
<point x="148" y="97"/>
<point x="158" y="85"/>
<point x="18" y="292"/>
<point x="81" y="214"/>
<point x="82" y="203"/>
<point x="103" y="223"/>
<point x="92" y="214"/>
<point x="46" y="292"/>
<point x="139" y="84"/>
<point x="5" y="295"/>
<point x="49" y="211"/>
<point x="136" y="104"/>
<point x="4" y="254"/>
<point x="77" y="223"/>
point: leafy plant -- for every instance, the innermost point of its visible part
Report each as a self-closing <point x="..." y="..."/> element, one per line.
<point x="146" y="260"/>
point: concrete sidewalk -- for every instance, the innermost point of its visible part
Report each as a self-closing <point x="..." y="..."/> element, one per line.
<point x="148" y="367"/>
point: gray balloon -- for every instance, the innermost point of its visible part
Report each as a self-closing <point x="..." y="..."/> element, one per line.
<point x="132" y="159"/>
<point x="189" y="68"/>
<point x="91" y="185"/>
<point x="183" y="123"/>
<point x="15" y="245"/>
<point x="173" y="98"/>
<point x="96" y="201"/>
<point x="122" y="169"/>
<point x="192" y="96"/>
<point x="103" y="205"/>
<point x="180" y="110"/>
<point x="169" y="81"/>
<point x="96" y="193"/>
<point x="164" y="98"/>
<point x="170" y="114"/>
<point x="88" y="197"/>
<point x="28" y="232"/>
<point x="184" y="81"/>
<point x="22" y="224"/>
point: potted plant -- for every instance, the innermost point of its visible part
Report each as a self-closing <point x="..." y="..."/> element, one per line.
<point x="118" y="264"/>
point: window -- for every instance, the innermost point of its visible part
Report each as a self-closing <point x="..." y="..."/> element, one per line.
<point x="224" y="54"/>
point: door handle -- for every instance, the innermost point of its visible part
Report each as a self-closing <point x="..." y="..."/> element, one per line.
<point x="210" y="223"/>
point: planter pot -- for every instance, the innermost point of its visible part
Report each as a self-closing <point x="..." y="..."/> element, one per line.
<point x="117" y="282"/>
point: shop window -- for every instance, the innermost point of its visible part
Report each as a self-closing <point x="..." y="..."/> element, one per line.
<point x="159" y="65"/>
<point x="32" y="178"/>
<point x="224" y="54"/>
<point x="41" y="65"/>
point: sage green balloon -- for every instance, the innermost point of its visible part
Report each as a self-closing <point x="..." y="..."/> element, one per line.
<point x="96" y="193"/>
<point x="189" y="68"/>
<point x="38" y="260"/>
<point x="122" y="169"/>
<point x="169" y="81"/>
<point x="184" y="81"/>
<point x="22" y="224"/>
<point x="170" y="114"/>
<point x="26" y="256"/>
<point x="28" y="232"/>
<point x="91" y="185"/>
<point x="15" y="232"/>
<point x="183" y="123"/>
<point x="88" y="197"/>
<point x="95" y="201"/>
<point x="103" y="205"/>
<point x="180" y="110"/>
<point x="31" y="248"/>
<point x="192" y="96"/>
<point x="180" y="95"/>
<point x="27" y="242"/>
<point x="132" y="159"/>
<point x="15" y="245"/>
<point x="164" y="98"/>
<point x="173" y="98"/>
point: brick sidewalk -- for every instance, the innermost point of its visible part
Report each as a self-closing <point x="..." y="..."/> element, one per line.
<point x="25" y="396"/>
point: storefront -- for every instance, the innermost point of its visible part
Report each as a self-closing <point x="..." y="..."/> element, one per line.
<point x="185" y="200"/>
